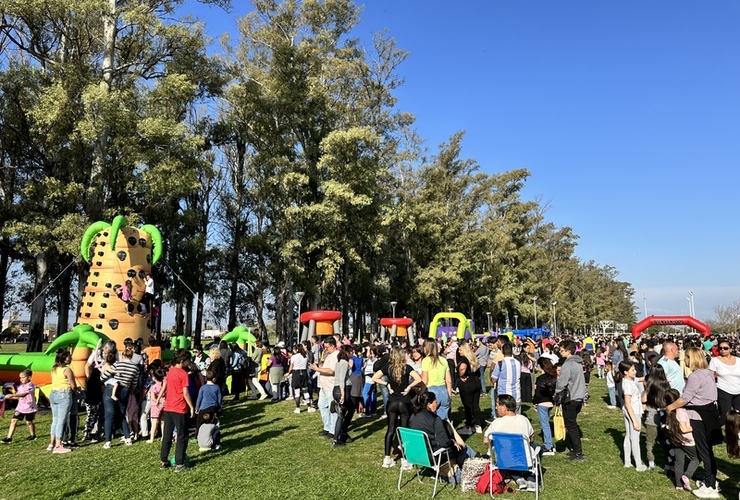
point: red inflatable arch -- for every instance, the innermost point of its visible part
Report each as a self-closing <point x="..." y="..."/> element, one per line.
<point x="646" y="323"/>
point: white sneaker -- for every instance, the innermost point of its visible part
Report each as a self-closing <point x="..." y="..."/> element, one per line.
<point x="388" y="462"/>
<point x="610" y="407"/>
<point x="641" y="468"/>
<point x="706" y="492"/>
<point x="263" y="397"/>
<point x="478" y="429"/>
<point x="311" y="409"/>
<point x="106" y="446"/>
<point x="128" y="442"/>
<point x="531" y="486"/>
<point x="405" y="465"/>
<point x="297" y="410"/>
<point x="465" y="431"/>
<point x="521" y="484"/>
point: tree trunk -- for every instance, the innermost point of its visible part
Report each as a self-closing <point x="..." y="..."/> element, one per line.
<point x="189" y="316"/>
<point x="63" y="313"/>
<point x="178" y="317"/>
<point x="38" y="306"/>
<point x="4" y="262"/>
<point x="345" y="299"/>
<point x="198" y="318"/>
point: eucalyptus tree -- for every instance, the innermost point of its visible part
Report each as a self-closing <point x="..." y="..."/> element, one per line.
<point x="313" y="122"/>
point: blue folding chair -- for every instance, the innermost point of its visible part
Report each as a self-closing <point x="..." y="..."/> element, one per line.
<point x="512" y="452"/>
<point x="417" y="450"/>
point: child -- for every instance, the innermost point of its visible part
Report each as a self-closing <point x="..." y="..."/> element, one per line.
<point x="108" y="368"/>
<point x="678" y="429"/>
<point x="209" y="400"/>
<point x="209" y="435"/>
<point x="600" y="362"/>
<point x="632" y="410"/>
<point x="732" y="433"/>
<point x="610" y="385"/>
<point x="26" y="409"/>
<point x="155" y="404"/>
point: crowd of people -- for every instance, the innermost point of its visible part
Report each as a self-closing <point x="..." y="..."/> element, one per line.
<point x="681" y="390"/>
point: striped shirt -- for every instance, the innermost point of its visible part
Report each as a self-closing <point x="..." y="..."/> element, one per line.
<point x="507" y="372"/>
<point x="128" y="372"/>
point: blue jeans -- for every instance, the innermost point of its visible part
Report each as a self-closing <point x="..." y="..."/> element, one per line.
<point x="493" y="402"/>
<point x="115" y="411"/>
<point x="543" y="414"/>
<point x="384" y="393"/>
<point x="443" y="400"/>
<point x="612" y="396"/>
<point x="327" y="418"/>
<point x="61" y="402"/>
<point x="369" y="399"/>
<point x="482" y="379"/>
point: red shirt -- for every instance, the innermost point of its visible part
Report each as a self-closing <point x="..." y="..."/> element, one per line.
<point x="177" y="382"/>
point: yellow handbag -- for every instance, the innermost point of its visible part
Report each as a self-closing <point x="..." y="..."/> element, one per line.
<point x="559" y="424"/>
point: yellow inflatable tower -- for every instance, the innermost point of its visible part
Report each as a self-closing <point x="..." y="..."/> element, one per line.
<point x="118" y="254"/>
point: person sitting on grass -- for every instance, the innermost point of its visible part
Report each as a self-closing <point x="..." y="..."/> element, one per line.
<point x="510" y="422"/>
<point x="209" y="434"/>
<point x="26" y="408"/>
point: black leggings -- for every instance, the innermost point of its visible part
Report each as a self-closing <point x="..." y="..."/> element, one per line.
<point x="726" y="402"/>
<point x="704" y="451"/>
<point x="470" y="396"/>
<point x="398" y="415"/>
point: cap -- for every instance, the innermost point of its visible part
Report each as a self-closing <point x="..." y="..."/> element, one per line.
<point x="281" y="344"/>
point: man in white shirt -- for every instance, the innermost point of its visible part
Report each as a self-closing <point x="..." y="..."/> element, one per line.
<point x="509" y="422"/>
<point x="326" y="386"/>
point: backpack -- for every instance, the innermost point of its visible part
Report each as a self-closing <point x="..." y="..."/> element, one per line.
<point x="495" y="484"/>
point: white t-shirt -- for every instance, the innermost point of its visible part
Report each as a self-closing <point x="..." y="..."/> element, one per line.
<point x="149" y="285"/>
<point x="728" y="376"/>
<point x="298" y="361"/>
<point x="326" y="382"/>
<point x="513" y="424"/>
<point x="631" y="388"/>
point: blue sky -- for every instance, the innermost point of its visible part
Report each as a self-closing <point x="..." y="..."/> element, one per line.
<point x="626" y="113"/>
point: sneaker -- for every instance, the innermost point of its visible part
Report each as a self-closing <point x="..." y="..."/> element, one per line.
<point x="329" y="435"/>
<point x="164" y="465"/>
<point x="626" y="466"/>
<point x="128" y="442"/>
<point x="60" y="449"/>
<point x="686" y="483"/>
<point x="263" y="397"/>
<point x="651" y="465"/>
<point x="297" y="411"/>
<point x="465" y="431"/>
<point x="338" y="444"/>
<point x="324" y="433"/>
<point x="548" y="452"/>
<point x="311" y="409"/>
<point x="531" y="486"/>
<point x="50" y="447"/>
<point x="181" y="468"/>
<point x="106" y="446"/>
<point x="388" y="462"/>
<point x="577" y="458"/>
<point x="405" y="465"/>
<point x="30" y="438"/>
<point x="521" y="484"/>
<point x="204" y="449"/>
<point x="9" y="440"/>
<point x="706" y="492"/>
<point x="610" y="407"/>
<point x="478" y="429"/>
<point x="641" y="468"/>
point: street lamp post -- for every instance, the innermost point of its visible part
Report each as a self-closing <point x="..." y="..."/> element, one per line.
<point x="534" y="301"/>
<point x="299" y="299"/>
<point x="554" y="318"/>
<point x="516" y="321"/>
<point x="393" y="306"/>
<point x="489" y="320"/>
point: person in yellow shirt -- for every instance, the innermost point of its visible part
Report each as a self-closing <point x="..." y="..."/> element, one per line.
<point x="62" y="386"/>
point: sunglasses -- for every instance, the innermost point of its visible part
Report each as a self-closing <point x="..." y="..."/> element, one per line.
<point x="724" y="348"/>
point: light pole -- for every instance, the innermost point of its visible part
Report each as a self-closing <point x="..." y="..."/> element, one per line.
<point x="299" y="298"/>
<point x="554" y="318"/>
<point x="692" y="311"/>
<point x="534" y="301"/>
<point x="393" y="306"/>
<point x="516" y="321"/>
<point x="489" y="320"/>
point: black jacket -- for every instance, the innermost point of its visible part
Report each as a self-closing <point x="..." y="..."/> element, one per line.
<point x="434" y="427"/>
<point x="544" y="389"/>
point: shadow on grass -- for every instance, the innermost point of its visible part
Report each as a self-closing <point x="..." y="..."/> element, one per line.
<point x="730" y="485"/>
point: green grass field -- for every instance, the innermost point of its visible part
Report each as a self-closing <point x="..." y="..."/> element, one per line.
<point x="269" y="452"/>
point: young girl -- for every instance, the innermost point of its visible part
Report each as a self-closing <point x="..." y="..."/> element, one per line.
<point x="632" y="410"/>
<point x="656" y="387"/>
<point x="369" y="396"/>
<point x="678" y="429"/>
<point x="108" y="368"/>
<point x="299" y="381"/>
<point x="732" y="433"/>
<point x="600" y="362"/>
<point x="156" y="404"/>
<point x="26" y="409"/>
<point x="611" y="386"/>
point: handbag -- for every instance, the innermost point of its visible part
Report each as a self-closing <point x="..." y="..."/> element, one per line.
<point x="559" y="424"/>
<point x="472" y="469"/>
<point x="418" y="390"/>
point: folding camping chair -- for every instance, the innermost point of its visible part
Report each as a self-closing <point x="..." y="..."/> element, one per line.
<point x="417" y="450"/>
<point x="512" y="452"/>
